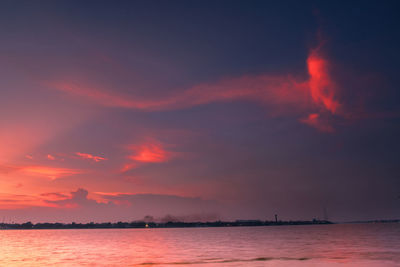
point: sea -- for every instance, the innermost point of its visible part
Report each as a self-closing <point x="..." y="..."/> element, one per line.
<point x="301" y="245"/>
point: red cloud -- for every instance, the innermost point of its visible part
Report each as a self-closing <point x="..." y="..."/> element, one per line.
<point x="322" y="88"/>
<point x="281" y="94"/>
<point x="149" y="152"/>
<point x="265" y="89"/>
<point x="89" y="156"/>
<point x="50" y="157"/>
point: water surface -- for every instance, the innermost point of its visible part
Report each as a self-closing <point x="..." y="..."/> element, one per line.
<point x="311" y="245"/>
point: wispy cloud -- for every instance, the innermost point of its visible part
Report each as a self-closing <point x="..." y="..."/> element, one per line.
<point x="54" y="196"/>
<point x="21" y="201"/>
<point x="264" y="89"/>
<point x="48" y="172"/>
<point x="90" y="156"/>
<point x="281" y="94"/>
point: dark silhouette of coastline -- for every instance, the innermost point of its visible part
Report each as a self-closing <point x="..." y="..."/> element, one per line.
<point x="141" y="224"/>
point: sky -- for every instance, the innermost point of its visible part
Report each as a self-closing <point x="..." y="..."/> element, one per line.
<point x="199" y="110"/>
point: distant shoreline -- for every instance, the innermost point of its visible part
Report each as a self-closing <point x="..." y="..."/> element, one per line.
<point x="141" y="224"/>
<point x="144" y="225"/>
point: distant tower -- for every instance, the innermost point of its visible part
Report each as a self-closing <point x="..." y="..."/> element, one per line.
<point x="276" y="218"/>
<point x="326" y="218"/>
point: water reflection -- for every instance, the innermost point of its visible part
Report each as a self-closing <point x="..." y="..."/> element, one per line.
<point x="314" y="245"/>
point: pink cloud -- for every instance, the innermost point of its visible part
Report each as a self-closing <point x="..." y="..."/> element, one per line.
<point x="15" y="201"/>
<point x="90" y="156"/>
<point x="321" y="86"/>
<point x="54" y="196"/>
<point x="265" y="89"/>
<point x="52" y="199"/>
<point x="48" y="172"/>
<point x="281" y="94"/>
<point x="150" y="151"/>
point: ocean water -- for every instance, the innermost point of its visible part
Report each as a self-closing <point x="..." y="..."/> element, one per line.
<point x="312" y="245"/>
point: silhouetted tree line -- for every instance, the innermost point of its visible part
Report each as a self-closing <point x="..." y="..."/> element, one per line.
<point x="142" y="224"/>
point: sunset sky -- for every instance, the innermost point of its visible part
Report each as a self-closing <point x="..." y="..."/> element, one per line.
<point x="202" y="110"/>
